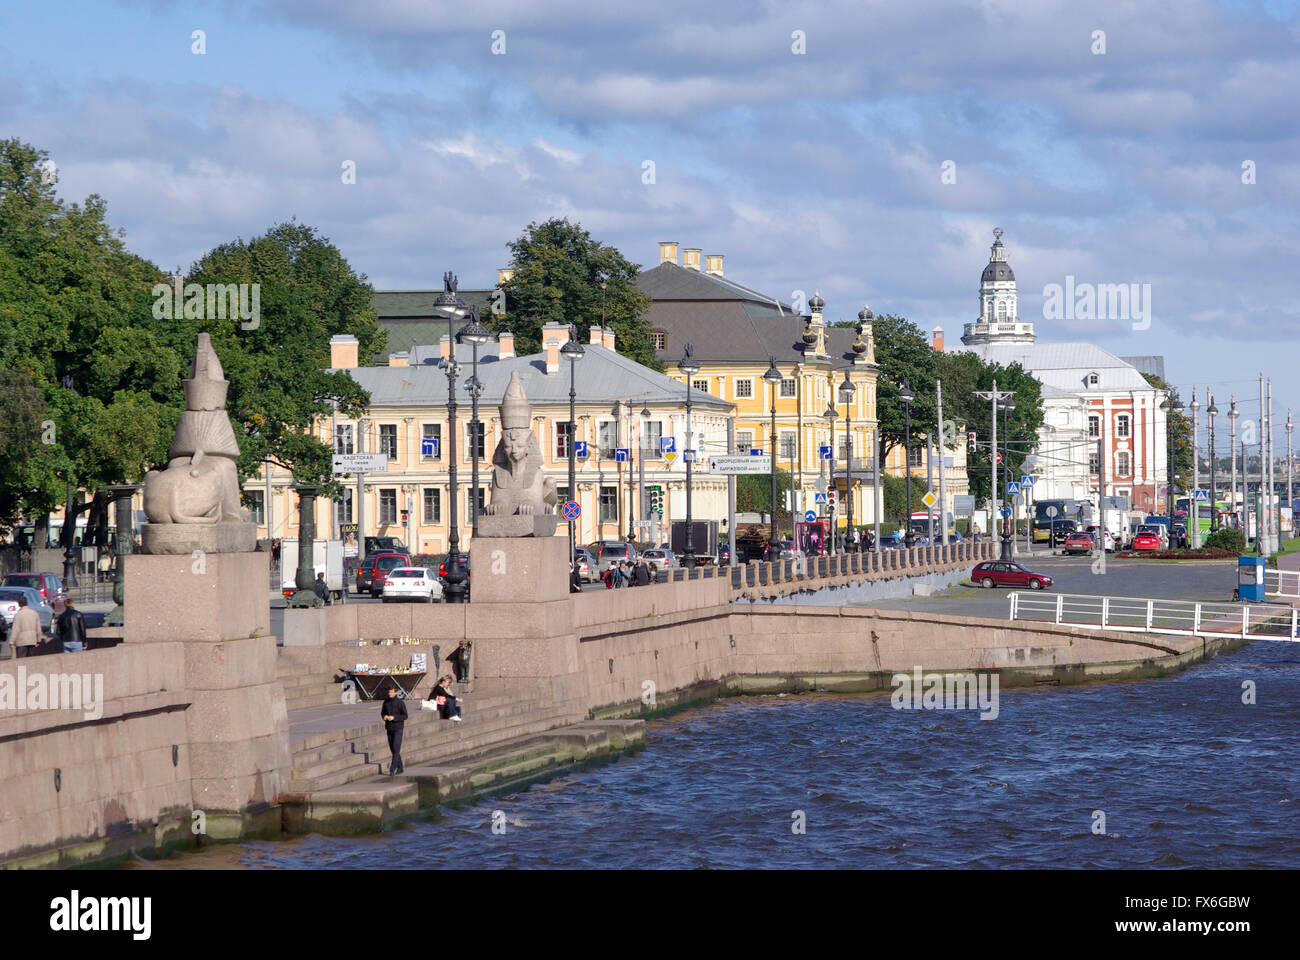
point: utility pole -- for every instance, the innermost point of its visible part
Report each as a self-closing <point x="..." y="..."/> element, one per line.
<point x="731" y="495"/>
<point x="1273" y="543"/>
<point x="1262" y="524"/>
<point x="943" y="488"/>
<point x="1194" y="507"/>
<point x="994" y="396"/>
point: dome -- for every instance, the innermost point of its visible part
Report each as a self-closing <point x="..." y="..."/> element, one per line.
<point x="998" y="271"/>
<point x="865" y="314"/>
<point x="816" y="303"/>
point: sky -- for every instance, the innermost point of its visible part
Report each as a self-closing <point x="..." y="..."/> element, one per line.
<point x="862" y="149"/>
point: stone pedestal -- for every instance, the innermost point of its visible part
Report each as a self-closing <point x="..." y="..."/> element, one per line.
<point x="518" y="569"/>
<point x="191" y="538"/>
<point x="212" y="597"/>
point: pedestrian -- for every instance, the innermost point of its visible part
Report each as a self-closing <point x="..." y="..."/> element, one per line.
<point x="857" y="540"/>
<point x="641" y="573"/>
<point x="275" y="550"/>
<point x="609" y="576"/>
<point x="394" y="714"/>
<point x="575" y="580"/>
<point x="26" y="632"/>
<point x="448" y="703"/>
<point x="320" y="589"/>
<point x="72" y="628"/>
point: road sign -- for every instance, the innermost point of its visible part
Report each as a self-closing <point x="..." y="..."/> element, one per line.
<point x="1027" y="480"/>
<point x="1202" y="495"/>
<point x="571" y="510"/>
<point x="810" y="516"/>
<point x="429" y="447"/>
<point x="820" y="484"/>
<point x="1006" y="512"/>
<point x="963" y="504"/>
<point x="819" y="498"/>
<point x="1013" y="487"/>
<point x="997" y="458"/>
<point x="621" y="454"/>
<point x="667" y="444"/>
<point x="825" y="451"/>
<point x="670" y="456"/>
<point x="929" y="499"/>
<point x="755" y="451"/>
<point x="739" y="464"/>
<point x="580" y="449"/>
<point x="360" y="463"/>
<point x="689" y="456"/>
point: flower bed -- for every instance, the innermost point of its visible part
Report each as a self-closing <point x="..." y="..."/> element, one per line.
<point x="1205" y="553"/>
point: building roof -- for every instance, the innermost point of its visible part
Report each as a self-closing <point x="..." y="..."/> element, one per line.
<point x="602" y="376"/>
<point x="408" y="317"/>
<point x="668" y="281"/>
<point x="1065" y="365"/>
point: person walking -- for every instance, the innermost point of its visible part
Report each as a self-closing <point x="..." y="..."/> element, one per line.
<point x="26" y="632"/>
<point x="641" y="573"/>
<point x="394" y="714"/>
<point x="575" y="579"/>
<point x="320" y="589"/>
<point x="71" y="628"/>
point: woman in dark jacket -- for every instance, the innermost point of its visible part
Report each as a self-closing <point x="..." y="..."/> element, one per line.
<point x="448" y="704"/>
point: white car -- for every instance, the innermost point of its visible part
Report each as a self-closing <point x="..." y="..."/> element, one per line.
<point x="412" y="583"/>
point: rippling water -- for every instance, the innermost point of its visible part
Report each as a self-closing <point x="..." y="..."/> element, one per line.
<point x="1186" y="774"/>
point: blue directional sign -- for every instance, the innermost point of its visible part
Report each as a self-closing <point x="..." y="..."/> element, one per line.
<point x="689" y="456"/>
<point x="810" y="516"/>
<point x="1006" y="511"/>
<point x="1027" y="480"/>
<point x="580" y="449"/>
<point x="428" y="447"/>
<point x="755" y="452"/>
<point x="1202" y="496"/>
<point x="1013" y="487"/>
<point x="621" y="454"/>
<point x="667" y="444"/>
<point x="825" y="451"/>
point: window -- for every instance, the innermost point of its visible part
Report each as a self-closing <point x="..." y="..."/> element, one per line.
<point x="470" y="499"/>
<point x="388" y="440"/>
<point x="1093" y="380"/>
<point x="432" y="505"/>
<point x="431" y="431"/>
<point x="1094" y="426"/>
<point x="787" y="387"/>
<point x="787" y="445"/>
<point x="846" y="448"/>
<point x="256" y="500"/>
<point x="1002" y="310"/>
<point x="658" y="339"/>
<point x="343" y="506"/>
<point x="562" y="493"/>
<point x="474" y="440"/>
<point x="1092" y="462"/>
<point x="700" y="385"/>
<point x="609" y="504"/>
<point x="1122" y="461"/>
<point x="744" y="441"/>
<point x="744" y="389"/>
<point x="607" y="438"/>
<point x="387" y="506"/>
<point x="651" y="432"/>
<point x="916" y="456"/>
<point x="343" y="437"/>
<point x="1121" y="426"/>
<point x="562" y="438"/>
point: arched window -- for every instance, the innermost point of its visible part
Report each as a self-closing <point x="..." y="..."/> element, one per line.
<point x="1093" y="380"/>
<point x="1002" y="310"/>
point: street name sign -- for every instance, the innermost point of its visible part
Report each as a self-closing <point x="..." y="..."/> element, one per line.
<point x="360" y="463"/>
<point x="739" y="464"/>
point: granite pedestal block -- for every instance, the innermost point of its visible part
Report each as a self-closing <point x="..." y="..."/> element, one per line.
<point x="215" y="596"/>
<point x="518" y="569"/>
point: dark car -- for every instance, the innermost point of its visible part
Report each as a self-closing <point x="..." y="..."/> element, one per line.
<point x="782" y="550"/>
<point x="442" y="566"/>
<point x="375" y="545"/>
<point x="374" y="568"/>
<point x="1061" y="530"/>
<point x="1079" y="543"/>
<point x="1008" y="573"/>
<point x="48" y="585"/>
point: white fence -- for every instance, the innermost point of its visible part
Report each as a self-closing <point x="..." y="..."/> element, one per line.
<point x="1282" y="583"/>
<point x="1180" y="617"/>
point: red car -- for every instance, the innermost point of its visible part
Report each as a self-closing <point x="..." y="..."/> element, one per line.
<point x="374" y="570"/>
<point x="1008" y="573"/>
<point x="48" y="585"/>
<point x="1146" y="541"/>
<point x="1079" y="543"/>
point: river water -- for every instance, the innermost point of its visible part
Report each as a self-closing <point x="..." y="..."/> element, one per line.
<point x="1185" y="773"/>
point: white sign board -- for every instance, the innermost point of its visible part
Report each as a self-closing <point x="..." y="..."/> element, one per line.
<point x="740" y="464"/>
<point x="360" y="463"/>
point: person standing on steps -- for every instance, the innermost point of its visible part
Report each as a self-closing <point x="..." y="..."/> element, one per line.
<point x="394" y="714"/>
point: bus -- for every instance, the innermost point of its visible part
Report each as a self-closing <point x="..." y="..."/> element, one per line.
<point x="1227" y="518"/>
<point x="1045" y="511"/>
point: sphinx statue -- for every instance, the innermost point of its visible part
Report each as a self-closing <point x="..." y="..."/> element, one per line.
<point x="523" y="497"/>
<point x="194" y="503"/>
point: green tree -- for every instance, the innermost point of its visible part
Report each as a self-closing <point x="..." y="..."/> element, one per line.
<point x="894" y="494"/>
<point x="904" y="354"/>
<point x="558" y="271"/>
<point x="1180" y="430"/>
<point x="754" y="495"/>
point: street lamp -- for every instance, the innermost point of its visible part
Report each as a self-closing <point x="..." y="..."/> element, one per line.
<point x="1171" y="404"/>
<point x="847" y="390"/>
<point x="689" y="367"/>
<point x="69" y="523"/>
<point x="1213" y="411"/>
<point x="450" y="305"/>
<point x="1008" y="541"/>
<point x="1193" y="508"/>
<point x="474" y="333"/>
<point x="830" y="416"/>
<point x="772" y="377"/>
<point x="1290" y="502"/>
<point x="572" y="351"/>
<point x="906" y="396"/>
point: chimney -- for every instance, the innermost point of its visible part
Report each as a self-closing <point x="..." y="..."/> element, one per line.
<point x="400" y="359"/>
<point x="343" y="351"/>
<point x="444" y="346"/>
<point x="595" y="336"/>
<point x="505" y="345"/>
<point x="936" y="339"/>
<point x="713" y="264"/>
<point x="691" y="258"/>
<point x="668" y="251"/>
<point x="607" y="338"/>
<point x="504" y="274"/>
<point x="552" y="355"/>
<point x="558" y="331"/>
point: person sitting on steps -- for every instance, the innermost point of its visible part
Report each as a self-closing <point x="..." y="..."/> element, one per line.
<point x="448" y="703"/>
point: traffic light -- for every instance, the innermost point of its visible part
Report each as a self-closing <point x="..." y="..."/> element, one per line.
<point x="656" y="499"/>
<point x="970" y="439"/>
<point x="405" y="515"/>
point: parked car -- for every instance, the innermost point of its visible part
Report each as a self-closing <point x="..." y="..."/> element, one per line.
<point x="1079" y="543"/>
<point x="9" y="605"/>
<point x="48" y="585"/>
<point x="610" y="552"/>
<point x="1006" y="573"/>
<point x="586" y="565"/>
<point x="663" y="559"/>
<point x="373" y="570"/>
<point x="1095" y="532"/>
<point x="1158" y="530"/>
<point x="1146" y="541"/>
<point x="442" y="566"/>
<point x="1180" y="535"/>
<point x="1061" y="530"/>
<point x="385" y="545"/>
<point x="412" y="583"/>
<point x="782" y="550"/>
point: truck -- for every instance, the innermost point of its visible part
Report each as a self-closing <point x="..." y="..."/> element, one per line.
<point x="704" y="540"/>
<point x="327" y="558"/>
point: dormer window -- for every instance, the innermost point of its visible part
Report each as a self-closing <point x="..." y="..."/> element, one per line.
<point x="1093" y="379"/>
<point x="658" y="339"/>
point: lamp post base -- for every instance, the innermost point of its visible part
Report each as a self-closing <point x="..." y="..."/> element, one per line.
<point x="303" y="599"/>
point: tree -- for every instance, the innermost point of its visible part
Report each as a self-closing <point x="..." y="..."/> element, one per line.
<point x="903" y="353"/>
<point x="754" y="495"/>
<point x="558" y="269"/>
<point x="894" y="494"/>
<point x="1180" y="432"/>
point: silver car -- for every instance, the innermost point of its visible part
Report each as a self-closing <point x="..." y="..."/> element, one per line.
<point x="663" y="559"/>
<point x="9" y="605"/>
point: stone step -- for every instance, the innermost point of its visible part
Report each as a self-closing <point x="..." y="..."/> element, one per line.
<point x="356" y="808"/>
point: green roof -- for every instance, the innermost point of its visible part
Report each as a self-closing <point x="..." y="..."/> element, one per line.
<point x="408" y="317"/>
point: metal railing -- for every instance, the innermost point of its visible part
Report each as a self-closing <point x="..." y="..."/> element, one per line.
<point x="1282" y="583"/>
<point x="1263" y="621"/>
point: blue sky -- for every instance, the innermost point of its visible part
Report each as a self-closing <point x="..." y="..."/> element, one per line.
<point x="820" y="170"/>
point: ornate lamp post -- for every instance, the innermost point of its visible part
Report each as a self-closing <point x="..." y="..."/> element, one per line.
<point x="306" y="576"/>
<point x="474" y="333"/>
<point x="1171" y="404"/>
<point x="847" y="390"/>
<point x="830" y="416"/>
<point x="1289" y="501"/>
<point x="772" y="377"/>
<point x="1233" y="414"/>
<point x="572" y="351"/>
<point x="69" y="523"/>
<point x="689" y="367"/>
<point x="906" y="396"/>
<point x="122" y="494"/>
<point x="1008" y="525"/>
<point x="1213" y="411"/>
<point x="450" y="305"/>
<point x="1193" y="508"/>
